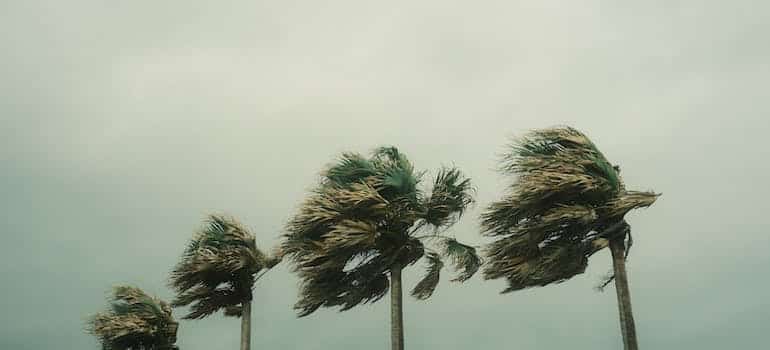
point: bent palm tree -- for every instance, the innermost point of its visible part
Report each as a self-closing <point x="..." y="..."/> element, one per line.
<point x="134" y="321"/>
<point x="568" y="203"/>
<point x="217" y="272"/>
<point x="357" y="231"/>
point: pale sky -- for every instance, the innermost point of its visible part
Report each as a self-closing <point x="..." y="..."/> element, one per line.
<point x="123" y="123"/>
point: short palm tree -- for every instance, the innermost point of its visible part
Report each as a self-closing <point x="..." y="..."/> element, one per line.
<point x="568" y="203"/>
<point x="134" y="321"/>
<point x="217" y="272"/>
<point x="359" y="228"/>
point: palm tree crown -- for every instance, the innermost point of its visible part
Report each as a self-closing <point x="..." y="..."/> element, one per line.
<point x="555" y="216"/>
<point x="362" y="221"/>
<point x="218" y="269"/>
<point x="134" y="321"/>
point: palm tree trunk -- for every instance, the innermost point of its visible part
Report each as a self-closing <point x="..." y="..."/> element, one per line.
<point x="396" y="311"/>
<point x="246" y="326"/>
<point x="627" y="327"/>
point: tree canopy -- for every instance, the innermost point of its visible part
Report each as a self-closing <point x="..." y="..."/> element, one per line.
<point x="363" y="219"/>
<point x="135" y="321"/>
<point x="554" y="216"/>
<point x="218" y="269"/>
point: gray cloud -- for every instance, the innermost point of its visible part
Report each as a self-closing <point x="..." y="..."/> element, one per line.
<point x="123" y="124"/>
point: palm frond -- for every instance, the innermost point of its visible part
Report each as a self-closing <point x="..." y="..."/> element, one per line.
<point x="555" y="263"/>
<point x="619" y="206"/>
<point x="351" y="168"/>
<point x="134" y="321"/>
<point x="463" y="257"/>
<point x="395" y="174"/>
<point x="452" y="194"/>
<point x="427" y="285"/>
<point x="234" y="311"/>
<point x="206" y="301"/>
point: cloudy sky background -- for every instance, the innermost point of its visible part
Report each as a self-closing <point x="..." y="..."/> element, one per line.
<point x="123" y="123"/>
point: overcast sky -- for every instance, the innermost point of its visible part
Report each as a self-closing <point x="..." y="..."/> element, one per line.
<point x="123" y="123"/>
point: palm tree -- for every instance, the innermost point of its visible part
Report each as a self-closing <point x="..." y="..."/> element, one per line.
<point x="359" y="229"/>
<point x="568" y="203"/>
<point x="217" y="272"/>
<point x="134" y="321"/>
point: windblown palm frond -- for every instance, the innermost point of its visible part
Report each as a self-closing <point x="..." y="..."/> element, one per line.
<point x="361" y="221"/>
<point x="552" y="217"/>
<point x="463" y="257"/>
<point x="134" y="321"/>
<point x="427" y="285"/>
<point x="450" y="196"/>
<point x="218" y="269"/>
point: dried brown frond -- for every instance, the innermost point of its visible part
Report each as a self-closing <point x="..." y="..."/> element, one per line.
<point x="619" y="206"/>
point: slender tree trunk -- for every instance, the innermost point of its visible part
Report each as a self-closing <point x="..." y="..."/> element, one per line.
<point x="396" y="311"/>
<point x="246" y="326"/>
<point x="627" y="327"/>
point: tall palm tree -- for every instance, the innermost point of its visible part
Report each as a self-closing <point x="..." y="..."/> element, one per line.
<point x="217" y="272"/>
<point x="568" y="203"/>
<point x="134" y="321"/>
<point x="359" y="228"/>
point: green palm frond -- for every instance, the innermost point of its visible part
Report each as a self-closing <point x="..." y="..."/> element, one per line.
<point x="134" y="321"/>
<point x="360" y="222"/>
<point x="395" y="174"/>
<point x="351" y="168"/>
<point x="463" y="257"/>
<point x="218" y="268"/>
<point x="546" y="224"/>
<point x="451" y="195"/>
<point x="424" y="289"/>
